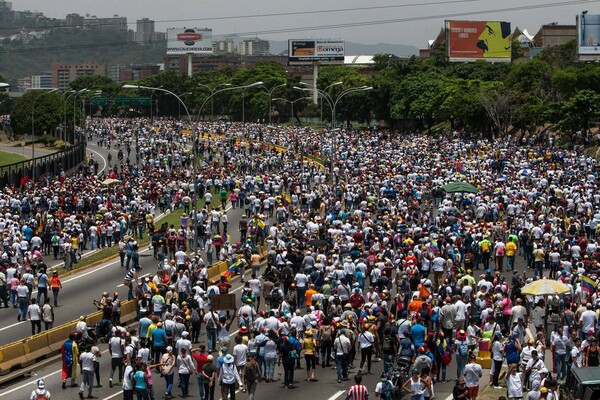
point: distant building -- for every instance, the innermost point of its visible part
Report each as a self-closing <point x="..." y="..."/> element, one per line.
<point x="23" y="84"/>
<point x="225" y="46"/>
<point x="253" y="47"/>
<point x="144" y="33"/>
<point x="433" y="45"/>
<point x="43" y="81"/>
<point x="132" y="73"/>
<point x="64" y="73"/>
<point x="74" y="20"/>
<point x="115" y="23"/>
<point x="202" y="63"/>
<point x="554" y="35"/>
<point x="115" y="72"/>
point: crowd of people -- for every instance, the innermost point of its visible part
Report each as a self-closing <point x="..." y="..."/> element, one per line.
<point x="367" y="258"/>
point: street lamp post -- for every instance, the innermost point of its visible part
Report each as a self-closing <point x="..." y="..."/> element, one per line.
<point x="271" y="94"/>
<point x="33" y="177"/>
<point x="179" y="105"/>
<point x="212" y="92"/>
<point x="152" y="95"/>
<point x="252" y="86"/>
<point x="63" y="133"/>
<point x="291" y="102"/>
<point x="333" y="102"/>
<point x="82" y="91"/>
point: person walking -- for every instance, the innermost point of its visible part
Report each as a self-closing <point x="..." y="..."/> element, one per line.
<point x="40" y="392"/>
<point x="209" y="373"/>
<point x="70" y="358"/>
<point x="34" y="315"/>
<point x="86" y="362"/>
<point x="228" y="377"/>
<point x="47" y="314"/>
<point x="22" y="299"/>
<point x="310" y="350"/>
<point x="358" y="391"/>
<point x="185" y="367"/>
<point x="55" y="285"/>
<point x="251" y="375"/>
<point x="341" y="345"/>
<point x="140" y="381"/>
<point x="497" y="357"/>
<point x="167" y="370"/>
<point x="472" y="374"/>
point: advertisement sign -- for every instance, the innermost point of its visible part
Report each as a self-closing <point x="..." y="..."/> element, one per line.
<point x="189" y="41"/>
<point x="307" y="51"/>
<point x="478" y="40"/>
<point x="588" y="34"/>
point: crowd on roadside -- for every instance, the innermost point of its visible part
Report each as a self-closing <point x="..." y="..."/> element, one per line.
<point x="377" y="262"/>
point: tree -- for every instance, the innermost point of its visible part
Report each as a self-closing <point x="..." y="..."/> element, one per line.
<point x="499" y="105"/>
<point x="47" y="113"/>
<point x="580" y="112"/>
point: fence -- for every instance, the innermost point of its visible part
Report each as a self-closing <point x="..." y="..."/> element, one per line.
<point x="13" y="174"/>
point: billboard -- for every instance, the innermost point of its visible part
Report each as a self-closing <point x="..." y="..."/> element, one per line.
<point x="478" y="40"/>
<point x="189" y="41"/>
<point x="588" y="34"/>
<point x="307" y="51"/>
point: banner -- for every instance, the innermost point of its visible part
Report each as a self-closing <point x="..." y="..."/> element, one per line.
<point x="588" y="34"/>
<point x="189" y="41"/>
<point x="307" y="51"/>
<point x="478" y="40"/>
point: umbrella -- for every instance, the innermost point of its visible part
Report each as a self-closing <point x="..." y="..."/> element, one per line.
<point x="525" y="171"/>
<point x="545" y="287"/>
<point x="317" y="243"/>
<point x="502" y="179"/>
<point x="459" y="187"/>
<point x="110" y="181"/>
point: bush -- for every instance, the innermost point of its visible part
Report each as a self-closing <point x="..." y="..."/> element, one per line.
<point x="47" y="140"/>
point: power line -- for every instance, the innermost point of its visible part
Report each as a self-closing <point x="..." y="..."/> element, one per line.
<point x="267" y="15"/>
<point x="331" y="26"/>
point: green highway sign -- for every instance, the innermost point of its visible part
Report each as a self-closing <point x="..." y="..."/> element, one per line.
<point x="132" y="101"/>
<point x="99" y="101"/>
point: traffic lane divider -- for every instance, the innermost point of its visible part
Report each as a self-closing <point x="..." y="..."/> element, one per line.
<point x="37" y="347"/>
<point x="11" y="356"/>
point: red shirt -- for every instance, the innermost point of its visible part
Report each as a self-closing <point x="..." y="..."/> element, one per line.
<point x="224" y="287"/>
<point x="201" y="359"/>
<point x="358" y="392"/>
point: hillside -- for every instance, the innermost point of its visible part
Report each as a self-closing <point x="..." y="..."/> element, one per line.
<point x="18" y="60"/>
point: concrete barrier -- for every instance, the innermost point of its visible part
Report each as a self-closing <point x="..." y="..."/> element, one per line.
<point x="58" y="335"/>
<point x="12" y="356"/>
<point x="37" y="347"/>
<point x="213" y="273"/>
<point x="222" y="267"/>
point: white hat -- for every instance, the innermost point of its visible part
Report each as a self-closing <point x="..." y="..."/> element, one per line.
<point x="185" y="334"/>
<point x="41" y="384"/>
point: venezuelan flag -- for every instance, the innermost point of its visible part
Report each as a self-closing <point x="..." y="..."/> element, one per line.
<point x="588" y="284"/>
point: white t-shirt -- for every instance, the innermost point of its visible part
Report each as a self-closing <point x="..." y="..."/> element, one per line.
<point x="239" y="353"/>
<point x="33" y="311"/>
<point x="87" y="361"/>
<point x="588" y="320"/>
<point x="115" y="345"/>
<point x="366" y="339"/>
<point x="127" y="384"/>
<point x="301" y="280"/>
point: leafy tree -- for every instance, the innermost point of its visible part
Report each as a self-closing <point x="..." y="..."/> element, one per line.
<point x="580" y="111"/>
<point x="560" y="56"/>
<point x="47" y="113"/>
<point x="499" y="105"/>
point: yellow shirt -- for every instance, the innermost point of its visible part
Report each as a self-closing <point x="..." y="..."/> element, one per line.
<point x="75" y="243"/>
<point x="511" y="248"/>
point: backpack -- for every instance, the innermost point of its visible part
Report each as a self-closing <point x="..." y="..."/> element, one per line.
<point x="463" y="348"/>
<point x="210" y="324"/>
<point x="276" y="295"/>
<point x="250" y="374"/>
<point x="386" y="390"/>
<point x="286" y="276"/>
<point x="386" y="345"/>
<point x="195" y="317"/>
<point x="326" y="333"/>
<point x="133" y="354"/>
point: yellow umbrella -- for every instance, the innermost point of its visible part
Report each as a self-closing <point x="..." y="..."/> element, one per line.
<point x="545" y="287"/>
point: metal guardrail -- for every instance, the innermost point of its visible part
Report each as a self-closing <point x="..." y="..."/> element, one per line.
<point x="64" y="160"/>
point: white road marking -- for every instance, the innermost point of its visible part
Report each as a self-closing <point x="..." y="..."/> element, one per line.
<point x="337" y="394"/>
<point x="143" y="276"/>
<point x="103" y="160"/>
<point x="32" y="383"/>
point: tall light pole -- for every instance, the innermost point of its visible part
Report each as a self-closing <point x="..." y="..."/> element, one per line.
<point x="82" y="91"/>
<point x="67" y="93"/>
<point x="152" y="95"/>
<point x="195" y="216"/>
<point x="252" y="86"/>
<point x="271" y="94"/>
<point x="33" y="177"/>
<point x="292" y="102"/>
<point x="179" y="105"/>
<point x="333" y="102"/>
<point x="212" y="91"/>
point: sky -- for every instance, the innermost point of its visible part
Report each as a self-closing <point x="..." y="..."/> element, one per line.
<point x="410" y="22"/>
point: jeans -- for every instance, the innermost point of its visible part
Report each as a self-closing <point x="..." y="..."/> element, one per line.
<point x="341" y="366"/>
<point x="142" y="394"/>
<point x="270" y="361"/>
<point x="185" y="381"/>
<point x="169" y="383"/>
<point x="23" y="304"/>
<point x="42" y="291"/>
<point x="211" y="335"/>
<point x="301" y="299"/>
<point x="251" y="387"/>
<point x="561" y="366"/>
<point x="461" y="361"/>
<point x="228" y="387"/>
<point x="539" y="268"/>
<point x="88" y="378"/>
<point x="13" y="297"/>
<point x="366" y="354"/>
<point x="200" y="378"/>
<point x="510" y="263"/>
<point x="288" y="371"/>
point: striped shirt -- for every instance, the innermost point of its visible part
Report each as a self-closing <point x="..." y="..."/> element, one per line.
<point x="358" y="392"/>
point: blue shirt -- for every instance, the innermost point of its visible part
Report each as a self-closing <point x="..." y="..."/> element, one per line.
<point x="42" y="280"/>
<point x="159" y="337"/>
<point x="418" y="334"/>
<point x="144" y="324"/>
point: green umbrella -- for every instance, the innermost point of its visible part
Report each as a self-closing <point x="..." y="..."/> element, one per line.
<point x="459" y="187"/>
